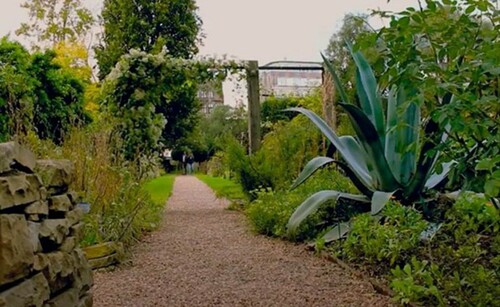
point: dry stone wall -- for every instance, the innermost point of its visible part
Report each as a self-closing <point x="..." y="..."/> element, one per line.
<point x="41" y="263"/>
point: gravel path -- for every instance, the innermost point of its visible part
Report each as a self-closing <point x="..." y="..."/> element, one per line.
<point x="204" y="255"/>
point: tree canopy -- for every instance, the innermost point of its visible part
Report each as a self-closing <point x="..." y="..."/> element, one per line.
<point x="56" y="21"/>
<point x="37" y="94"/>
<point x="149" y="26"/>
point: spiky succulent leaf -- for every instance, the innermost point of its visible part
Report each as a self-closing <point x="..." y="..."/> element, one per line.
<point x="391" y="139"/>
<point x="310" y="168"/>
<point x="381" y="174"/>
<point x="366" y="87"/>
<point x="311" y="204"/>
<point x="347" y="153"/>
<point x="436" y="179"/>
<point x="409" y="139"/>
<point x="337" y="232"/>
<point x="336" y="80"/>
<point x="379" y="200"/>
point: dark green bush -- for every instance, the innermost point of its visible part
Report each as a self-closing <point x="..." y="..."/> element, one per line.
<point x="270" y="212"/>
<point x="460" y="266"/>
<point x="384" y="241"/>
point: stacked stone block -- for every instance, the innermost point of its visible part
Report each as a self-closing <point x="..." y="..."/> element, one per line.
<point x="41" y="263"/>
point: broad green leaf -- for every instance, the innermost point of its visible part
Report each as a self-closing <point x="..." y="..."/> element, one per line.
<point x="359" y="155"/>
<point x="436" y="179"/>
<point x="337" y="232"/>
<point x="310" y="168"/>
<point x="370" y="101"/>
<point x="379" y="200"/>
<point x="365" y="188"/>
<point x="347" y="153"/>
<point x="426" y="161"/>
<point x="336" y="80"/>
<point x="391" y="137"/>
<point x="311" y="204"/>
<point x="409" y="135"/>
<point x="369" y="140"/>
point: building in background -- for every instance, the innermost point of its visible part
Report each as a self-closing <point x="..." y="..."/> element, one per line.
<point x="210" y="95"/>
<point x="284" y="82"/>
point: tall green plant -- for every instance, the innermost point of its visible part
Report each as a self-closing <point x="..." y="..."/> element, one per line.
<point x="385" y="158"/>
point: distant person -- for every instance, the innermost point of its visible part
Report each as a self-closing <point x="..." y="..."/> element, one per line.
<point x="190" y="161"/>
<point x="167" y="160"/>
<point x="184" y="163"/>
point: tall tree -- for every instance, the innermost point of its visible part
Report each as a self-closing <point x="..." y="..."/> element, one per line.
<point x="55" y="21"/>
<point x="147" y="25"/>
<point x="352" y="27"/>
<point x="58" y="98"/>
<point x="16" y="89"/>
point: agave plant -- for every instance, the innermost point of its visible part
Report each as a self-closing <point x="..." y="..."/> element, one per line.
<point x="385" y="159"/>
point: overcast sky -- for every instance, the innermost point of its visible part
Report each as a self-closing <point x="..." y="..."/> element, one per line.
<point x="264" y="30"/>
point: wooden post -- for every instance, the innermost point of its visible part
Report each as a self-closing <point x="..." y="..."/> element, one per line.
<point x="253" y="106"/>
<point x="329" y="112"/>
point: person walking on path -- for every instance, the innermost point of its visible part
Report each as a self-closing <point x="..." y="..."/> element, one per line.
<point x="184" y="163"/>
<point x="190" y="161"/>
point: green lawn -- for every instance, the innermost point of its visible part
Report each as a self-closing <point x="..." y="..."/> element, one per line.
<point x="224" y="187"/>
<point x="160" y="188"/>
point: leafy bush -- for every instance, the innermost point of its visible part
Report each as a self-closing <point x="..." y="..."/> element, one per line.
<point x="16" y="86"/>
<point x="37" y="94"/>
<point x="415" y="283"/>
<point x="283" y="153"/>
<point x="58" y="103"/>
<point x="387" y="240"/>
<point x="450" y="47"/>
<point x="271" y="210"/>
<point x="467" y="251"/>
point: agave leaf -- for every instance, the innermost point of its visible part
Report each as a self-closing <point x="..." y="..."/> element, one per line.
<point x="368" y="137"/>
<point x="358" y="154"/>
<point x="310" y="168"/>
<point x="366" y="86"/>
<point x="391" y="137"/>
<point x="357" y="166"/>
<point x="311" y="204"/>
<point x="436" y="179"/>
<point x="336" y="80"/>
<point x="364" y="187"/>
<point x="337" y="232"/>
<point x="426" y="160"/>
<point x="409" y="136"/>
<point x="379" y="200"/>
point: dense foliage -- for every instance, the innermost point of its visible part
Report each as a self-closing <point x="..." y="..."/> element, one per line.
<point x="155" y="95"/>
<point x="438" y="62"/>
<point x="37" y="94"/>
<point x="284" y="151"/>
<point x="58" y="98"/>
<point x="458" y="265"/>
<point x="450" y="47"/>
<point x="16" y="86"/>
<point x="171" y="26"/>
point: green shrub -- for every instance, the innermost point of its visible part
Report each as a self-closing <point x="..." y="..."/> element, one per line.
<point x="460" y="265"/>
<point x="270" y="212"/>
<point x="386" y="241"/>
<point x="415" y="283"/>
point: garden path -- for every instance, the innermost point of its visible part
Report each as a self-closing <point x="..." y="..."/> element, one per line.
<point x="204" y="255"/>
